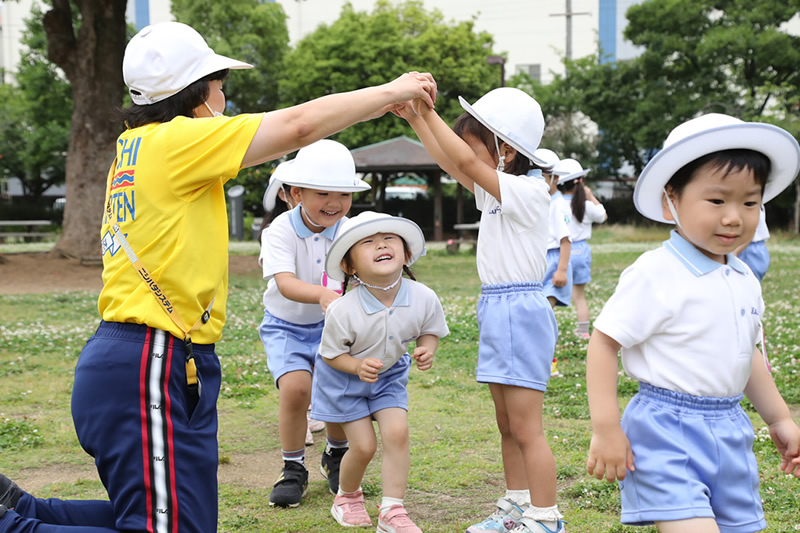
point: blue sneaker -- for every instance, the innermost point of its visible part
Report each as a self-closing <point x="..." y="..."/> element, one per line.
<point x="529" y="525"/>
<point x="503" y="520"/>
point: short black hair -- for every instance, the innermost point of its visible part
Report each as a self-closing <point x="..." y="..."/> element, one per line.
<point x="466" y="124"/>
<point x="177" y="105"/>
<point x="728" y="161"/>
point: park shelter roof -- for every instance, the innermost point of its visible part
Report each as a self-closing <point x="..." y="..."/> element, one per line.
<point x="401" y="154"/>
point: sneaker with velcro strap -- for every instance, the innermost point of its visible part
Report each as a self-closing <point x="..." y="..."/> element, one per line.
<point x="290" y="486"/>
<point x="504" y="519"/>
<point x="529" y="525"/>
<point x="10" y="493"/>
<point x="330" y="465"/>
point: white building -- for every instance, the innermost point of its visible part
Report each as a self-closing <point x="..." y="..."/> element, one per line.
<point x="531" y="33"/>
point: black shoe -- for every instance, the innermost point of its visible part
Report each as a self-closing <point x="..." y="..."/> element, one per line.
<point x="10" y="493"/>
<point x="291" y="485"/>
<point x="2" y="511"/>
<point x="331" y="461"/>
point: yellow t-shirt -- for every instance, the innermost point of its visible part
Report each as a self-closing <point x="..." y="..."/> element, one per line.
<point x="167" y="196"/>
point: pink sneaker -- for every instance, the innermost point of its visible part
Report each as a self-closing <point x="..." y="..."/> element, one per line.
<point x="349" y="510"/>
<point x="396" y="520"/>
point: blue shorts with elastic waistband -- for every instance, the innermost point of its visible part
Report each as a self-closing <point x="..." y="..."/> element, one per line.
<point x="518" y="333"/>
<point x="289" y="347"/>
<point x="694" y="459"/>
<point x="580" y="259"/>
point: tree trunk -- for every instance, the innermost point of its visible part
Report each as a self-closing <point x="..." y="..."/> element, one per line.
<point x="91" y="58"/>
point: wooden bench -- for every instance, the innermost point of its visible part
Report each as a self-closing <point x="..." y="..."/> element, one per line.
<point x="467" y="234"/>
<point x="31" y="229"/>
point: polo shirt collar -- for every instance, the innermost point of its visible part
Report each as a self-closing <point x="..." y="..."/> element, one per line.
<point x="695" y="260"/>
<point x="535" y="173"/>
<point x="372" y="305"/>
<point x="302" y="230"/>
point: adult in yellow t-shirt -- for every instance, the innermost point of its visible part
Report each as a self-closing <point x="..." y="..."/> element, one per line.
<point x="145" y="392"/>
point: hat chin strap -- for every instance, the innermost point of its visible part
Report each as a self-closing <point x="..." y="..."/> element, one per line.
<point x="308" y="217"/>
<point x="502" y="164"/>
<point x="672" y="210"/>
<point x="378" y="287"/>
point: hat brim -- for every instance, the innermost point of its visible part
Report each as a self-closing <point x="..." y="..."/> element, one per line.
<point x="775" y="143"/>
<point x="271" y="194"/>
<point x="360" y="185"/>
<point x="408" y="230"/>
<point x="503" y="135"/>
<point x="569" y="177"/>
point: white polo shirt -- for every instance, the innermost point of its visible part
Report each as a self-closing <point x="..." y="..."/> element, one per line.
<point x="559" y="218"/>
<point x="593" y="214"/>
<point x="685" y="322"/>
<point x="287" y="245"/>
<point x="512" y="241"/>
<point x="358" y="324"/>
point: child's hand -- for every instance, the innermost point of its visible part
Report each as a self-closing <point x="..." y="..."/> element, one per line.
<point x="610" y="455"/>
<point x="424" y="357"/>
<point x="368" y="369"/>
<point x="414" y="85"/>
<point x="420" y="107"/>
<point x="327" y="297"/>
<point x="404" y="111"/>
<point x="559" y="278"/>
<point x="786" y="436"/>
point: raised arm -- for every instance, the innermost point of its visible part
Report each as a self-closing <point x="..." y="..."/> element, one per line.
<point x="610" y="454"/>
<point x="465" y="163"/>
<point x="286" y="130"/>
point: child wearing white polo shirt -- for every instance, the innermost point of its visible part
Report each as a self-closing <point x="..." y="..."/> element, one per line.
<point x="490" y="151"/>
<point x="687" y="318"/>
<point x="366" y="363"/>
<point x="585" y="210"/>
<point x="322" y="179"/>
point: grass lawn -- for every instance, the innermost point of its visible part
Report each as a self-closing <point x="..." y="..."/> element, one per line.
<point x="456" y="470"/>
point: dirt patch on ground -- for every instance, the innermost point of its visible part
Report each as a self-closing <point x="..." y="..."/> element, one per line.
<point x="38" y="273"/>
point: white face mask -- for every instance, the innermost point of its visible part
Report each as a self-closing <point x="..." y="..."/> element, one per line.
<point x="214" y="113"/>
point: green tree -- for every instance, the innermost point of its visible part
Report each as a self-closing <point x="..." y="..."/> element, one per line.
<point x="361" y="49"/>
<point x="34" y="132"/>
<point x="247" y="30"/>
<point x="86" y="39"/>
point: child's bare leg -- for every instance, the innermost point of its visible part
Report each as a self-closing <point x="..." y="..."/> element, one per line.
<point x="695" y="525"/>
<point x="393" y="424"/>
<point x="295" y="394"/>
<point x="363" y="443"/>
<point x="581" y="307"/>
<point x="513" y="465"/>
<point x="524" y="408"/>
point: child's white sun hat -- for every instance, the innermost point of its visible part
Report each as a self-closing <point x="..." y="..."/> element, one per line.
<point x="165" y="58"/>
<point x="326" y="165"/>
<point x="369" y="223"/>
<point x="513" y="115"/>
<point x="547" y="158"/>
<point x="569" y="169"/>
<point x="710" y="133"/>
<point x="276" y="181"/>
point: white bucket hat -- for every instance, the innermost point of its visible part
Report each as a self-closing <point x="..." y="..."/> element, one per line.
<point x="369" y="223"/>
<point x="569" y="169"/>
<point x="513" y="115"/>
<point x="325" y="165"/>
<point x="547" y="158"/>
<point x="276" y="181"/>
<point x="712" y="133"/>
<point x="163" y="59"/>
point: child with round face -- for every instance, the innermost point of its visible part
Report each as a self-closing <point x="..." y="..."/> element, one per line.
<point x="687" y="318"/>
<point x="362" y="368"/>
<point x="322" y="180"/>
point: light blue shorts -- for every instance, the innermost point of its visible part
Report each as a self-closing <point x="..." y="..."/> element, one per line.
<point x="290" y="347"/>
<point x="518" y="333"/>
<point x="756" y="256"/>
<point x="337" y="396"/>
<point x="580" y="259"/>
<point x="694" y="459"/>
<point x="563" y="295"/>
